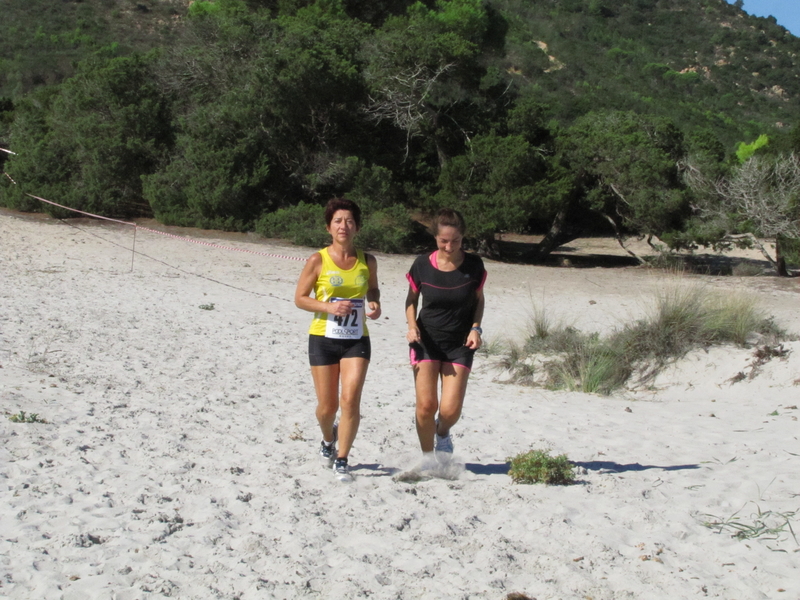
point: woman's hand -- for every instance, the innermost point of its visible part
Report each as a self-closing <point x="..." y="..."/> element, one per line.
<point x="342" y="308"/>
<point x="412" y="299"/>
<point x="375" y="310"/>
<point x="474" y="340"/>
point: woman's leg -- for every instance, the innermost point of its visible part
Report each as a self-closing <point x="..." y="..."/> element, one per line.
<point x="326" y="384"/>
<point x="454" y="388"/>
<point x="426" y="384"/>
<point x="353" y="372"/>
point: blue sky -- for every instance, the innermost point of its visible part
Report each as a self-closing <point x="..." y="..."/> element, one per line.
<point x="787" y="12"/>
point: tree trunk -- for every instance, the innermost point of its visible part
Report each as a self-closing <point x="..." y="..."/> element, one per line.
<point x="620" y="241"/>
<point x="780" y="261"/>
<point x="560" y="233"/>
<point x="438" y="141"/>
<point x="754" y="240"/>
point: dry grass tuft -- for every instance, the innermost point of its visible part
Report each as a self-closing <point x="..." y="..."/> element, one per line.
<point x="682" y="318"/>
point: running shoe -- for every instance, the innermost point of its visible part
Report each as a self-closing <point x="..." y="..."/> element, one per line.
<point x="341" y="470"/>
<point x="444" y="444"/>
<point x="327" y="453"/>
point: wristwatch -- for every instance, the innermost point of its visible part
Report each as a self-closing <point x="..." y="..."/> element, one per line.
<point x="478" y="329"/>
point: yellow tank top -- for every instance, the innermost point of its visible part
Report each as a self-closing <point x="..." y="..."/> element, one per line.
<point x="334" y="282"/>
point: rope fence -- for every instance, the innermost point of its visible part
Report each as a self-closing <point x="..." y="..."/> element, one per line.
<point x="137" y="227"/>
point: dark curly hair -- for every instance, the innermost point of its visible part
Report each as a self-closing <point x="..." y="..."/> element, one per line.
<point x="335" y="204"/>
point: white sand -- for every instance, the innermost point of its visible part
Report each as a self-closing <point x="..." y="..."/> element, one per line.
<point x="179" y="457"/>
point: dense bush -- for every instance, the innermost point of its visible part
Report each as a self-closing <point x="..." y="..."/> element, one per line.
<point x="386" y="230"/>
<point x="218" y="172"/>
<point x="87" y="143"/>
<point x="493" y="184"/>
<point x="302" y="224"/>
<point x="629" y="166"/>
<point x="539" y="466"/>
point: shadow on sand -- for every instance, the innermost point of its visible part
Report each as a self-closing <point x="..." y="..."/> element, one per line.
<point x="492" y="469"/>
<point x="522" y="252"/>
<point x="612" y="467"/>
<point x="604" y="466"/>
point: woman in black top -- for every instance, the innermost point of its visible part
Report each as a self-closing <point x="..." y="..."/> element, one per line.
<point x="445" y="334"/>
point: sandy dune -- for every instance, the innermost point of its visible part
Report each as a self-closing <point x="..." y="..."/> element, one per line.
<point x="179" y="454"/>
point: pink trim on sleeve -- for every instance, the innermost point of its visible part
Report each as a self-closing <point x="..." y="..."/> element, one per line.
<point x="483" y="279"/>
<point x="411" y="283"/>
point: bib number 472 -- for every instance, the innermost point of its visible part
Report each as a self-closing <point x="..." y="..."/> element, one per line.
<point x="350" y="320"/>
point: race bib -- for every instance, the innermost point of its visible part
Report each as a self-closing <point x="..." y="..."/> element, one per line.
<point x="349" y="327"/>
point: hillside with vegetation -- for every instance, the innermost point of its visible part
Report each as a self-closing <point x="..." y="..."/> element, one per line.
<point x="704" y="64"/>
<point x="41" y="41"/>
<point x="561" y="117"/>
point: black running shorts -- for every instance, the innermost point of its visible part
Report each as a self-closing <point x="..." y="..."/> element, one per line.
<point x="457" y="354"/>
<point x="323" y="351"/>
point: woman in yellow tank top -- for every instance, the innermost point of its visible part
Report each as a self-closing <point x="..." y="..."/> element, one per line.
<point x="344" y="282"/>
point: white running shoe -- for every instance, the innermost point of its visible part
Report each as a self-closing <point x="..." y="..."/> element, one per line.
<point x="341" y="470"/>
<point x="444" y="444"/>
<point x="327" y="453"/>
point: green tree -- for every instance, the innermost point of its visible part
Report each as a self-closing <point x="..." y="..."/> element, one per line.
<point x="745" y="151"/>
<point x="494" y="185"/>
<point x="272" y="123"/>
<point x="6" y="118"/>
<point x="90" y="142"/>
<point x="218" y="173"/>
<point x="46" y="163"/>
<point x="628" y="168"/>
<point x="420" y="66"/>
